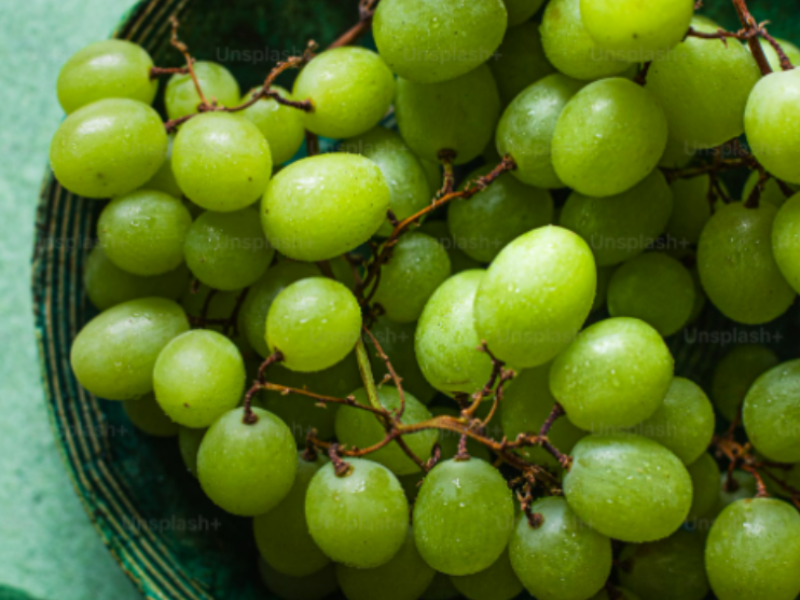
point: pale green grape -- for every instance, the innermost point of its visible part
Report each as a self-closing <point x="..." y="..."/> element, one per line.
<point x="609" y="137"/>
<point x="449" y="440"/>
<point x="735" y="373"/>
<point x="703" y="89"/>
<point x="198" y="377"/>
<point x="498" y="582"/>
<point x="323" y="206"/>
<point x="106" y="69"/>
<point x="429" y="41"/>
<point x="691" y="209"/>
<point x="316" y="586"/>
<point x="146" y="414"/>
<point x="418" y="266"/>
<point x="408" y="184"/>
<point x="655" y="288"/>
<point x="314" y="322"/>
<point x="737" y="266"/>
<point x="468" y="501"/>
<point x="221" y="161"/>
<point x="441" y="588"/>
<point x="108" y="148"/>
<point x="535" y="296"/>
<point x="459" y="261"/>
<point x="164" y="179"/>
<point x="281" y="125"/>
<point x="520" y="60"/>
<point x="189" y="441"/>
<point x="405" y="577"/>
<point x="705" y="485"/>
<point x="619" y="227"/>
<point x="676" y="155"/>
<point x="615" y="374"/>
<point x="771" y="413"/>
<point x="114" y="354"/>
<point x="628" y="487"/>
<point x="786" y="241"/>
<point x="282" y="534"/>
<point x="359" y="519"/>
<point x="771" y="193"/>
<point x="228" y="251"/>
<point x="216" y="81"/>
<point x="563" y="559"/>
<point x="247" y="469"/>
<point x="604" y="275"/>
<point x="753" y="550"/>
<point x="791" y="51"/>
<point x="526" y="128"/>
<point x="569" y="46"/>
<point x="458" y="115"/>
<point x="483" y="225"/>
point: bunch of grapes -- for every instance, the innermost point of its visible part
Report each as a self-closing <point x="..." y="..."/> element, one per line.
<point x="432" y="362"/>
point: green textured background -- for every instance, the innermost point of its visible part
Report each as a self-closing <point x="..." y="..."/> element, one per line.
<point x="47" y="545"/>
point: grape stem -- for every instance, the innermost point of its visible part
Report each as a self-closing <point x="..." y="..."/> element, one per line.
<point x="366" y="10"/>
<point x="249" y="416"/>
<point x="446" y="157"/>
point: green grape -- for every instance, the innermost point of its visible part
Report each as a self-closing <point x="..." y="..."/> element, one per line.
<point x="771" y="193"/>
<point x="108" y="148"/>
<point x="408" y="184"/>
<point x="247" y="469"/>
<point x="691" y="209"/>
<point x="655" y="288"/>
<point x="221" y="161"/>
<point x="189" y="441"/>
<point x="620" y="227"/>
<point x="446" y="342"/>
<point x="705" y="485"/>
<point x="609" y="137"/>
<point x="418" y="266"/>
<point x="146" y="414"/>
<point x="282" y="534"/>
<point x="467" y="501"/>
<point x="526" y="128"/>
<point x="483" y="225"/>
<point x="405" y="577"/>
<point x="740" y="486"/>
<point x="520" y="60"/>
<point x="619" y="594"/>
<point x="562" y="559"/>
<point x="323" y="206"/>
<point x="628" y="487"/>
<point x="535" y="296"/>
<point x="228" y="251"/>
<point x="737" y="266"/>
<point x="281" y="125"/>
<point x="569" y="46"/>
<point x="527" y="402"/>
<point x="359" y="519"/>
<point x="604" y="275"/>
<point x="458" y="115"/>
<point x="164" y="179"/>
<point x="498" y="582"/>
<point x="786" y="240"/>
<point x="114" y="354"/>
<point x="198" y="377"/>
<point x="351" y="89"/>
<point x="703" y="89"/>
<point x="314" y="322"/>
<point x="106" y="69"/>
<point x="441" y="588"/>
<point x="433" y="171"/>
<point x="753" y="550"/>
<point x="771" y="413"/>
<point x="735" y="373"/>
<point x="343" y="272"/>
<point x="792" y="52"/>
<point x="520" y="11"/>
<point x="459" y="261"/>
<point x="181" y="98"/>
<point x="361" y="429"/>
<point x="615" y="374"/>
<point x="316" y="586"/>
<point x="429" y="41"/>
<point x="676" y="155"/>
<point x="449" y="440"/>
<point x="107" y="285"/>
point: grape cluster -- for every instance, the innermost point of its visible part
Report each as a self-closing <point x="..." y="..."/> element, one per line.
<point x="425" y="385"/>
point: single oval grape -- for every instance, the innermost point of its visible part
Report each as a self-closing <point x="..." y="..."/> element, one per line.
<point x="498" y="582"/>
<point x="786" y="240"/>
<point x="147" y="415"/>
<point x="316" y="586"/>
<point x="735" y="373"/>
<point x="771" y="413"/>
<point x="181" y="97"/>
<point x="705" y="476"/>
<point x="520" y="61"/>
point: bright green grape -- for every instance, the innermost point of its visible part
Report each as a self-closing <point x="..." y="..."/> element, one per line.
<point x="106" y="69"/>
<point x="282" y="534"/>
<point x="221" y="161"/>
<point x="323" y="206"/>
<point x="771" y="413"/>
<point x="703" y="89"/>
<point x="753" y="550"/>
<point x="628" y="487"/>
<point x="691" y="209"/>
<point x="459" y="261"/>
<point x="609" y="137"/>
<point x="450" y="440"/>
<point x="146" y="414"/>
<point x="418" y="266"/>
<point x="563" y="559"/>
<point x="359" y="519"/>
<point x="467" y="501"/>
<point x="786" y="241"/>
<point x="216" y="81"/>
<point x="405" y="577"/>
<point x="441" y="588"/>
<point x="705" y="485"/>
<point x="771" y="193"/>
<point x="281" y="125"/>
<point x="483" y="225"/>
<point x="604" y="275"/>
<point x="737" y="266"/>
<point x="164" y="179"/>
<point x="735" y="373"/>
<point x="108" y="148"/>
<point x="498" y="582"/>
<point x="791" y="51"/>
<point x="520" y="60"/>
<point x="430" y="41"/>
<point x="408" y="184"/>
<point x="247" y="469"/>
<point x="458" y="115"/>
<point x="615" y="374"/>
<point x="316" y="586"/>
<point x="228" y="251"/>
<point x="114" y="354"/>
<point x="189" y="441"/>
